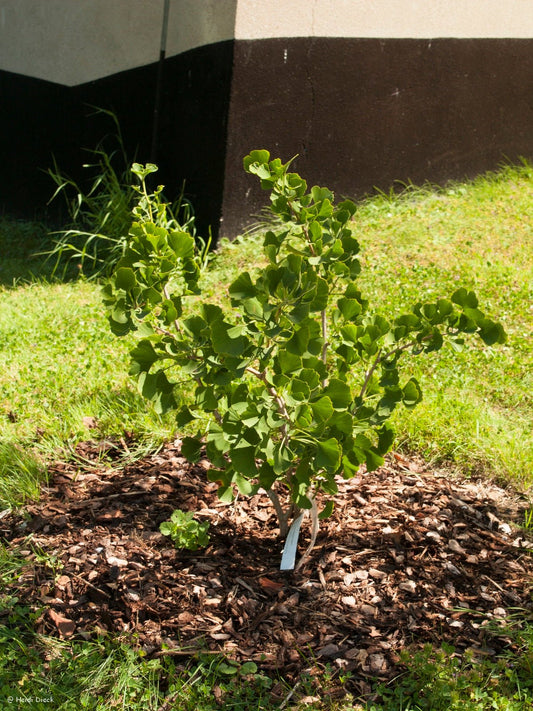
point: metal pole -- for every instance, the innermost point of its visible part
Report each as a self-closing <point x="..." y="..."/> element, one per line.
<point x="159" y="81"/>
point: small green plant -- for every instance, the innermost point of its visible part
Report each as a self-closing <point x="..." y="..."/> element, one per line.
<point x="443" y="680"/>
<point x="185" y="531"/>
<point x="296" y="382"/>
<point x="101" y="215"/>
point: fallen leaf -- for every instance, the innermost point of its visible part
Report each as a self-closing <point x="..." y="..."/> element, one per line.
<point x="65" y="626"/>
<point x="271" y="585"/>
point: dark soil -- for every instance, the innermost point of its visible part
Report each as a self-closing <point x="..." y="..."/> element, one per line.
<point x="408" y="556"/>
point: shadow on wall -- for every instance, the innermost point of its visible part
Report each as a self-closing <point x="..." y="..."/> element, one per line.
<point x="359" y="112"/>
<point x="42" y="121"/>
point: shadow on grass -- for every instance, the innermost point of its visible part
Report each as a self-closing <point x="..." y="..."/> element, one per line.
<point x="23" y="254"/>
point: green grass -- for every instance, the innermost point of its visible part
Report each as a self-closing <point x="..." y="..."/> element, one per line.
<point x="61" y="365"/>
<point x="478" y="404"/>
<point x="441" y="680"/>
<point x="104" y="674"/>
<point x="21" y="474"/>
<point x="20" y="245"/>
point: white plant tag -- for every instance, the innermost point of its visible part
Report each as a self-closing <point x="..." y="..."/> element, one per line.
<point x="288" y="558"/>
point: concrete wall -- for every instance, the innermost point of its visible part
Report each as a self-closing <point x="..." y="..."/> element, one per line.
<point x="257" y="19"/>
<point x="72" y="42"/>
<point x="61" y="58"/>
<point x="365" y="92"/>
<point x="363" y="113"/>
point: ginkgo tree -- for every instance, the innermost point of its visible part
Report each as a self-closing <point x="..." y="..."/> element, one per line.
<point x="298" y="378"/>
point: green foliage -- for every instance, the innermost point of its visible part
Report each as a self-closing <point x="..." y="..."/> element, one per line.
<point x="276" y="371"/>
<point x="102" y="214"/>
<point x="185" y="531"/>
<point x="21" y="474"/>
<point x="442" y="680"/>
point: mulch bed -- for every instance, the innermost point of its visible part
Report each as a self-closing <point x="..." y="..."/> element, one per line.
<point x="408" y="556"/>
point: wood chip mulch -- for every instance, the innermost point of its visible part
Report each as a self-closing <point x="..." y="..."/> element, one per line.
<point x="409" y="556"/>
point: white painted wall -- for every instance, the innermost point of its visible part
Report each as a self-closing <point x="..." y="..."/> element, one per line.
<point x="193" y="23"/>
<point x="75" y="41"/>
<point x="424" y="19"/>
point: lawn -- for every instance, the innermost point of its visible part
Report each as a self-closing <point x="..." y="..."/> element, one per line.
<point x="478" y="404"/>
<point x="64" y="381"/>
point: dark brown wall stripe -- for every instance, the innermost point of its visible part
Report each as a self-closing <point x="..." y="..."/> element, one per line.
<point x="360" y="112"/>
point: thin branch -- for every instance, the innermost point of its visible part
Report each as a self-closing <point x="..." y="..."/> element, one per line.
<point x="380" y="358"/>
<point x="282" y="408"/>
<point x="163" y="332"/>
<point x="93" y="587"/>
<point x="258" y="373"/>
<point x="304" y="230"/>
<point x="370" y="373"/>
<point x="290" y="695"/>
<point x="283" y="518"/>
<point x="325" y="344"/>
